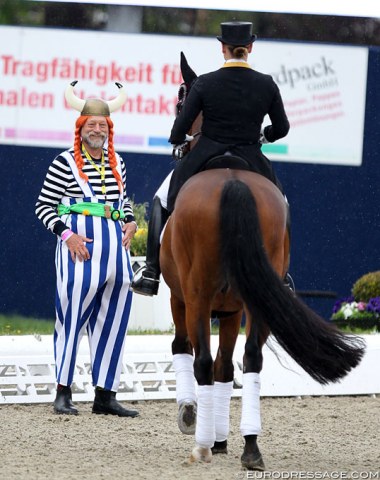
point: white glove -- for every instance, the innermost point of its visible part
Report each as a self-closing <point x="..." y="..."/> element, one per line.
<point x="178" y="150"/>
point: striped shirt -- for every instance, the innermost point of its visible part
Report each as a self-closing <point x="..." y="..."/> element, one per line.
<point x="60" y="182"/>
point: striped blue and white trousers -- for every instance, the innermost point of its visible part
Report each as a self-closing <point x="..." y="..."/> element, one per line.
<point x="93" y="297"/>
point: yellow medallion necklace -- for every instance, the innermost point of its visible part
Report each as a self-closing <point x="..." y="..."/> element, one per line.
<point x="101" y="170"/>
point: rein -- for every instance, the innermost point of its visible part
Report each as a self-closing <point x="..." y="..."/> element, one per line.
<point x="196" y="134"/>
<point x="180" y="150"/>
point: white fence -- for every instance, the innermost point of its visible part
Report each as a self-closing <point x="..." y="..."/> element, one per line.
<point x="27" y="371"/>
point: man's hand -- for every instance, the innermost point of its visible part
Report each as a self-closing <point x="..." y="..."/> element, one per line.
<point x="129" y="230"/>
<point x="77" y="247"/>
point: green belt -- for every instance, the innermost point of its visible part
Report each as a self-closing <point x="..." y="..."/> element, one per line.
<point x="93" y="209"/>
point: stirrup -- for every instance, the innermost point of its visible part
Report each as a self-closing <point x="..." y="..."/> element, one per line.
<point x="145" y="277"/>
<point x="145" y="285"/>
<point x="289" y="282"/>
<point x="136" y="272"/>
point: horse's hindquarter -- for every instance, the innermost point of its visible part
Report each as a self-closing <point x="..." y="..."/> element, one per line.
<point x="199" y="205"/>
<point x="191" y="244"/>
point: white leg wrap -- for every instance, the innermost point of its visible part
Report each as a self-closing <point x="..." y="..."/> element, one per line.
<point x="250" y="416"/>
<point x="205" y="429"/>
<point x="184" y="376"/>
<point x="222" y="400"/>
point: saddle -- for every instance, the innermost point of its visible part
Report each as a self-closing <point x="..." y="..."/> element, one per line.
<point x="226" y="161"/>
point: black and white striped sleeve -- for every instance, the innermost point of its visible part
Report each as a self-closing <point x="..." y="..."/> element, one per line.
<point x="57" y="178"/>
<point x="127" y="205"/>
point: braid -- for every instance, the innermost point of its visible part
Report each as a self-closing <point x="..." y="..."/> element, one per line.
<point x="112" y="156"/>
<point x="77" y="147"/>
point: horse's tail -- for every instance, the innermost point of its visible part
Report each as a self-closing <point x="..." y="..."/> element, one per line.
<point x="317" y="346"/>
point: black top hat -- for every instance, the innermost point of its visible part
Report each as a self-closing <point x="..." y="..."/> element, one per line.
<point x="236" y="33"/>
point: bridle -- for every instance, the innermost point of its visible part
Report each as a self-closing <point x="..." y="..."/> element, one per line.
<point x="183" y="91"/>
<point x="180" y="150"/>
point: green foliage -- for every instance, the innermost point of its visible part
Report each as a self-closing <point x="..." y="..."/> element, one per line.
<point x="139" y="211"/>
<point x="138" y="244"/>
<point x="362" y="309"/>
<point x="190" y="21"/>
<point x="367" y="287"/>
<point x="17" y="325"/>
<point x="360" y="321"/>
<point x="20" y="12"/>
<point x="356" y="330"/>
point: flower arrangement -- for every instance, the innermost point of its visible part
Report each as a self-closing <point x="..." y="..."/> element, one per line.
<point x="362" y="309"/>
<point x="138" y="243"/>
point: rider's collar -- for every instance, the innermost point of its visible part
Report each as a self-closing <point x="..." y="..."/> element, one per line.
<point x="234" y="62"/>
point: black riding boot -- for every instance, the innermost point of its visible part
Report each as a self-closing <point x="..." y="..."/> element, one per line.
<point x="105" y="403"/>
<point x="62" y="403"/>
<point x="148" y="283"/>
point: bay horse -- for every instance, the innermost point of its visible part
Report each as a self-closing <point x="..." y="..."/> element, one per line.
<point x="225" y="251"/>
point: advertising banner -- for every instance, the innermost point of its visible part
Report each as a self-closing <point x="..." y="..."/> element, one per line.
<point x="323" y="87"/>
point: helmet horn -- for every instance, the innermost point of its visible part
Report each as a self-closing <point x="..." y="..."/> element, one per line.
<point x="94" y="106"/>
<point x="119" y="101"/>
<point x="74" y="101"/>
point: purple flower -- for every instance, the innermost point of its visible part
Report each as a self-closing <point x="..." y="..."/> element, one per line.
<point x="338" y="304"/>
<point x="373" y="305"/>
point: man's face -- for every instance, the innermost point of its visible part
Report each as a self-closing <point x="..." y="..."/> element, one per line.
<point x="95" y="132"/>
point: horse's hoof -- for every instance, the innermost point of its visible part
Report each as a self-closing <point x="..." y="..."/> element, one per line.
<point x="201" y="454"/>
<point x="252" y="461"/>
<point x="187" y="418"/>
<point x="219" y="447"/>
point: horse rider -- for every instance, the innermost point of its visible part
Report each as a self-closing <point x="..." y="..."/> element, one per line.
<point x="84" y="202"/>
<point x="233" y="101"/>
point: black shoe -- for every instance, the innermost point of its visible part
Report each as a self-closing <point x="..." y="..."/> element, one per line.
<point x="105" y="403"/>
<point x="62" y="403"/>
<point x="145" y="286"/>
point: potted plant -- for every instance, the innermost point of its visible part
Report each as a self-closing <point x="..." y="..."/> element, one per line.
<point x="138" y="243"/>
<point x="361" y="310"/>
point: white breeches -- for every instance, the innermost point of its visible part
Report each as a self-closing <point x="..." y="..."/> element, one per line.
<point x="162" y="192"/>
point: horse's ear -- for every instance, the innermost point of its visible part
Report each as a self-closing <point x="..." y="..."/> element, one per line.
<point x="188" y="74"/>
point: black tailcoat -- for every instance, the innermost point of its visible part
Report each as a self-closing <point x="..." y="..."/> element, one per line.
<point x="233" y="101"/>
